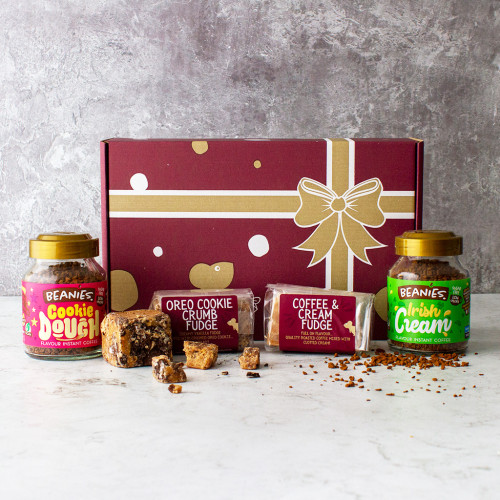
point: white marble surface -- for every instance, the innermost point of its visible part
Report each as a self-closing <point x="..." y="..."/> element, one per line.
<point x="88" y="430"/>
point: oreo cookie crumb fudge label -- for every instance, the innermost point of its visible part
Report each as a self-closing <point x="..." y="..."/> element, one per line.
<point x="211" y="319"/>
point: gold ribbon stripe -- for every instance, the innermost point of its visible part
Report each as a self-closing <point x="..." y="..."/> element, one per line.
<point x="397" y="204"/>
<point x="203" y="203"/>
<point x="207" y="203"/>
<point x="340" y="166"/>
<point x="340" y="184"/>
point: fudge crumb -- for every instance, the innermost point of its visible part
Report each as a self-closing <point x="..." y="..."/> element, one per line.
<point x="250" y="359"/>
<point x="175" y="388"/>
<point x="253" y="375"/>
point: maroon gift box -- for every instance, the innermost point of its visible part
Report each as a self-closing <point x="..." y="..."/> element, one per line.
<point x="181" y="214"/>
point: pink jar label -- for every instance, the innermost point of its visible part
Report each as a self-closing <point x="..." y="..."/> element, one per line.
<point x="317" y="323"/>
<point x="63" y="316"/>
<point x="212" y="319"/>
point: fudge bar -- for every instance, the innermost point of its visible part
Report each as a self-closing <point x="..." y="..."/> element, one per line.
<point x="250" y="359"/>
<point x="200" y="354"/>
<point x="134" y="338"/>
<point x="166" y="371"/>
<point x="221" y="317"/>
<point x="308" y="319"/>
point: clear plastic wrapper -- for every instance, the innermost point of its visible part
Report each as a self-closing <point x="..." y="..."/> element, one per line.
<point x="308" y="319"/>
<point x="221" y="317"/>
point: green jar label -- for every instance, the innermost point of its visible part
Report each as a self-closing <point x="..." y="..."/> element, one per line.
<point x="428" y="312"/>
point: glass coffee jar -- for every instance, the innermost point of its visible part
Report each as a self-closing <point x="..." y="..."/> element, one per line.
<point x="63" y="297"/>
<point x="428" y="294"/>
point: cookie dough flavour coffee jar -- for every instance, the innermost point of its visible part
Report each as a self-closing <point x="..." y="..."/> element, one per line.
<point x="63" y="297"/>
<point x="428" y="292"/>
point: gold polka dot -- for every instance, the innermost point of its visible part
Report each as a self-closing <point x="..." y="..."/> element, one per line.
<point x="257" y="164"/>
<point x="199" y="147"/>
<point x="124" y="291"/>
<point x="380" y="303"/>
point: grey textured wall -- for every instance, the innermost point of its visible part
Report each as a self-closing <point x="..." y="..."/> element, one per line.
<point x="75" y="72"/>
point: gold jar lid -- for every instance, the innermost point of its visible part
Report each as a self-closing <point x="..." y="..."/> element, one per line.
<point x="430" y="243"/>
<point x="64" y="246"/>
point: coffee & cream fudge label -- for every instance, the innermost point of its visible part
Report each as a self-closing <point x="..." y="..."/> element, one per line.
<point x="317" y="323"/>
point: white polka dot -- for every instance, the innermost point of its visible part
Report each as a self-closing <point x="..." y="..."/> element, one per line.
<point x="158" y="251"/>
<point x="258" y="245"/>
<point x="139" y="182"/>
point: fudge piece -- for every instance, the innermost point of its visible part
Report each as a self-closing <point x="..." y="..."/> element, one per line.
<point x="175" y="389"/>
<point x="200" y="354"/>
<point x="134" y="338"/>
<point x="250" y="359"/>
<point x="165" y="371"/>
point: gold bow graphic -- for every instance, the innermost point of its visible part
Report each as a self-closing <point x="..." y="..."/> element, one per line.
<point x="339" y="217"/>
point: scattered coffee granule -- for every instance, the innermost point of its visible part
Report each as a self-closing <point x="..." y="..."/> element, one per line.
<point x="253" y="375"/>
<point x="175" y="389"/>
<point x="408" y="360"/>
